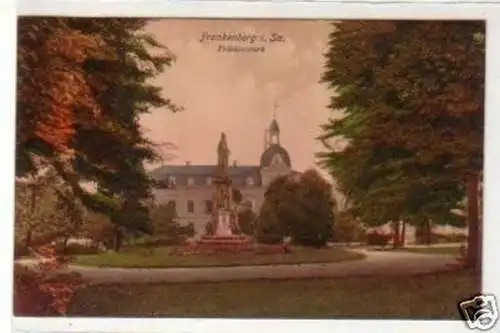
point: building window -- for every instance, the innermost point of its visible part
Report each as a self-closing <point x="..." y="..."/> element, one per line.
<point x="250" y="181"/>
<point x="190" y="181"/>
<point x="190" y="206"/>
<point x="172" y="204"/>
<point x="171" y="182"/>
<point x="277" y="160"/>
<point x="209" y="180"/>
<point x="208" y="206"/>
<point x="164" y="183"/>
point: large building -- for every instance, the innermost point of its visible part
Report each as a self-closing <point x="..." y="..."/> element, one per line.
<point x="189" y="187"/>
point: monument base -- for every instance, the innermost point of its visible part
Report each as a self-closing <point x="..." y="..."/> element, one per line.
<point x="212" y="244"/>
<point x="224" y="239"/>
<point x="216" y="243"/>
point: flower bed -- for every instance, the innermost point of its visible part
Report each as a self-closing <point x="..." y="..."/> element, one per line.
<point x="43" y="290"/>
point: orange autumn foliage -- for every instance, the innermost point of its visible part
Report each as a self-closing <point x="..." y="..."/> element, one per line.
<point x="44" y="291"/>
<point x="53" y="94"/>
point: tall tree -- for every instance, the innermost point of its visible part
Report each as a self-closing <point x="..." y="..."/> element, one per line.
<point x="412" y="95"/>
<point x="95" y="100"/>
<point x="50" y="84"/>
<point x="301" y="207"/>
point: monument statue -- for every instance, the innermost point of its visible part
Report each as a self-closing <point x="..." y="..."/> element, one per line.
<point x="225" y="232"/>
<point x="223" y="156"/>
<point x="224" y="216"/>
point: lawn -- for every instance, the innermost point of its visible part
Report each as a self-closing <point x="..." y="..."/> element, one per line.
<point x="420" y="297"/>
<point x="452" y="250"/>
<point x="432" y="250"/>
<point x="161" y="257"/>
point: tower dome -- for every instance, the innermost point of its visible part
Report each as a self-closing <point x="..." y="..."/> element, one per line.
<point x="275" y="152"/>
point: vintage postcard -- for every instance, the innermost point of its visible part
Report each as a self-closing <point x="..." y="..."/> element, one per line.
<point x="251" y="169"/>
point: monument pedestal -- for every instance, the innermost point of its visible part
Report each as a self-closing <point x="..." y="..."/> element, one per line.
<point x="223" y="239"/>
<point x="225" y="221"/>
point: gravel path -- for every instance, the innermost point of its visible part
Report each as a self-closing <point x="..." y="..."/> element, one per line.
<point x="376" y="263"/>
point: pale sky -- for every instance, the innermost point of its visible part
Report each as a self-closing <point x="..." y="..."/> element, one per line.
<point x="235" y="92"/>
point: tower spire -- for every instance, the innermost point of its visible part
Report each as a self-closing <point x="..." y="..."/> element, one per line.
<point x="276" y="105"/>
<point x="274" y="129"/>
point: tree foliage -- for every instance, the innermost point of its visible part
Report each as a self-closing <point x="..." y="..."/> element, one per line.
<point x="348" y="229"/>
<point x="46" y="211"/>
<point x="163" y="217"/>
<point x="83" y="84"/>
<point x="247" y="219"/>
<point x="412" y="97"/>
<point x="50" y="84"/>
<point x="165" y="229"/>
<point x="236" y="195"/>
<point x="99" y="228"/>
<point x="300" y="207"/>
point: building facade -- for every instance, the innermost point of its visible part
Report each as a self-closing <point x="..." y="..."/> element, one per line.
<point x="189" y="187"/>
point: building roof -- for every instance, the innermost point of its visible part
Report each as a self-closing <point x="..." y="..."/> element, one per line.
<point x="273" y="150"/>
<point x="199" y="173"/>
<point x="200" y="170"/>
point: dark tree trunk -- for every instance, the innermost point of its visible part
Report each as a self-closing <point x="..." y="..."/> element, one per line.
<point x="428" y="231"/>
<point x="473" y="241"/>
<point x="33" y="198"/>
<point x="480" y="228"/>
<point x="29" y="238"/>
<point x="29" y="233"/>
<point x="118" y="241"/>
<point x="65" y="245"/>
<point x="403" y="234"/>
<point x="396" y="236"/>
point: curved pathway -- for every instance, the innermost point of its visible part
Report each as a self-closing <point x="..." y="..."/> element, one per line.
<point x="376" y="263"/>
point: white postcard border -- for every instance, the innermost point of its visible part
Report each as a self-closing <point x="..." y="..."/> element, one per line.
<point x="281" y="9"/>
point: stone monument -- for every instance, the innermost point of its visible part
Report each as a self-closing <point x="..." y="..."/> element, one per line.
<point x="225" y="227"/>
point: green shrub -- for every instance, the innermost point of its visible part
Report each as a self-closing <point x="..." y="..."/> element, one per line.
<point x="166" y="230"/>
<point x="299" y="206"/>
<point x="189" y="230"/>
<point x="209" y="228"/>
<point x="247" y="220"/>
<point x="421" y="236"/>
<point x="377" y="238"/>
<point x="314" y="234"/>
<point x="451" y="238"/>
<point x="347" y="229"/>
<point x="269" y="238"/>
<point x="268" y="229"/>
